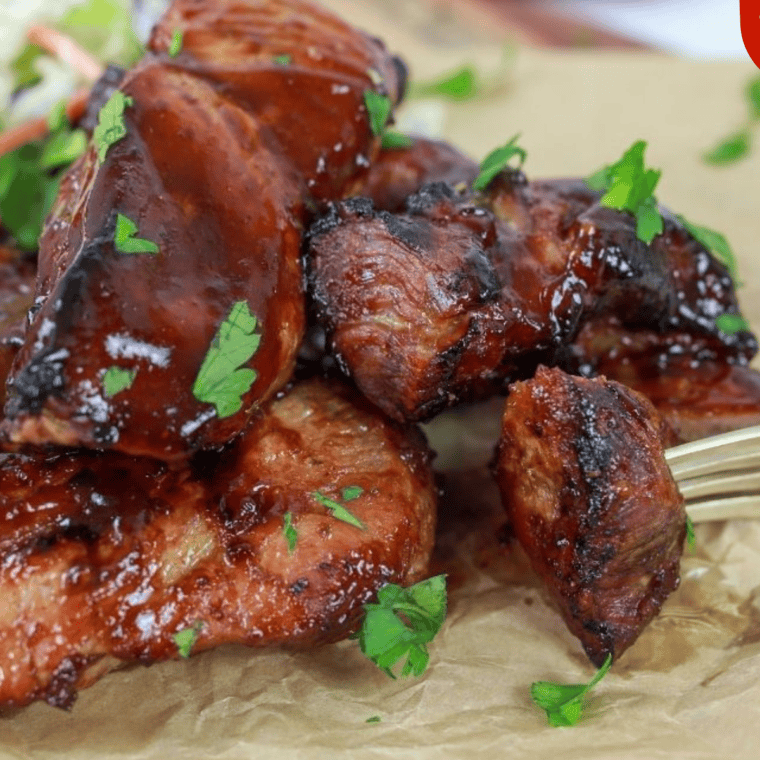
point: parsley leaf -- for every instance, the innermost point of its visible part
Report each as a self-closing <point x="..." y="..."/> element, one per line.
<point x="731" y="323"/>
<point x="350" y="493"/>
<point x="373" y="719"/>
<point x="118" y="379"/>
<point x="111" y="127"/>
<point x="401" y="625"/>
<point x="629" y="186"/>
<point x="460" y="84"/>
<point x="496" y="161"/>
<point x="753" y="96"/>
<point x="737" y="146"/>
<point x="339" y="512"/>
<point x="282" y="60"/>
<point x="186" y="638"/>
<point x="125" y="240"/>
<point x="395" y="140"/>
<point x="691" y="538"/>
<point x="378" y="109"/>
<point x="175" y="46"/>
<point x="715" y="243"/>
<point x="729" y="150"/>
<point x="222" y="380"/>
<point x="564" y="703"/>
<point x="289" y="531"/>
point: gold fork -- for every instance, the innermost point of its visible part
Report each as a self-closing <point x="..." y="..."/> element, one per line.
<point x="719" y="477"/>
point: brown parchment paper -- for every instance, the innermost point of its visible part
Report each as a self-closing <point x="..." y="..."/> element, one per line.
<point x="689" y="688"/>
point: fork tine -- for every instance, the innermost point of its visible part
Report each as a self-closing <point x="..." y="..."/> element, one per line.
<point x="747" y="482"/>
<point x="737" y="450"/>
<point x="728" y="508"/>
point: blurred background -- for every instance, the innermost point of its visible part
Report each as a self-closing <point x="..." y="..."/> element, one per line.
<point x="706" y="29"/>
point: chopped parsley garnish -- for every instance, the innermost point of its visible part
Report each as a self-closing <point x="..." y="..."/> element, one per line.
<point x="460" y="84"/>
<point x="564" y="703"/>
<point x="175" y="46"/>
<point x="401" y="625"/>
<point x="124" y="237"/>
<point x="186" y="638"/>
<point x="498" y="160"/>
<point x="118" y="379"/>
<point x="730" y="149"/>
<point x="111" y="127"/>
<point x="339" y="512"/>
<point x="715" y="243"/>
<point x="373" y="719"/>
<point x="378" y="109"/>
<point x="731" y="323"/>
<point x="222" y="380"/>
<point x="350" y="493"/>
<point x="30" y="176"/>
<point x="282" y="60"/>
<point x="467" y="81"/>
<point x="629" y="186"/>
<point x="691" y="538"/>
<point x="738" y="144"/>
<point x="289" y="531"/>
<point x="392" y="140"/>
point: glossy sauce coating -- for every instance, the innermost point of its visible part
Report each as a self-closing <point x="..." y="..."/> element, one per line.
<point x="397" y="174"/>
<point x="216" y="171"/>
<point x="699" y="392"/>
<point x="105" y="558"/>
<point x="464" y="293"/>
<point x="17" y="277"/>
<point x="583" y="477"/>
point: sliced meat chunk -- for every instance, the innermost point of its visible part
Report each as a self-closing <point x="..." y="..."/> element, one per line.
<point x="589" y="495"/>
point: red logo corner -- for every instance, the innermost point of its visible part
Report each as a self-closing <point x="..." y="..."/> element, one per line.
<point x="750" y="15"/>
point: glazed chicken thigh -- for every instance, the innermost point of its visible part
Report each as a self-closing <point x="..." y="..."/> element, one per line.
<point x="206" y="158"/>
<point x="105" y="558"/>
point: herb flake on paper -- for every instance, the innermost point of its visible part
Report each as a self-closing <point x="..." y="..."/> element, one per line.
<point x="564" y="703"/>
<point x="402" y="624"/>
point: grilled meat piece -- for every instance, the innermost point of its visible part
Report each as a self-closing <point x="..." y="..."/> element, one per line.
<point x="261" y="114"/>
<point x="590" y="498"/>
<point x="698" y="392"/>
<point x="104" y="558"/>
<point x="398" y="173"/>
<point x="464" y="293"/>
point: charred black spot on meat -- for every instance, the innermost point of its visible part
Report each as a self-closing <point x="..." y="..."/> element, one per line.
<point x="413" y="233"/>
<point x="428" y="197"/>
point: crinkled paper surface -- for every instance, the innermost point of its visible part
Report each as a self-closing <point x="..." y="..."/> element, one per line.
<point x="689" y="688"/>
